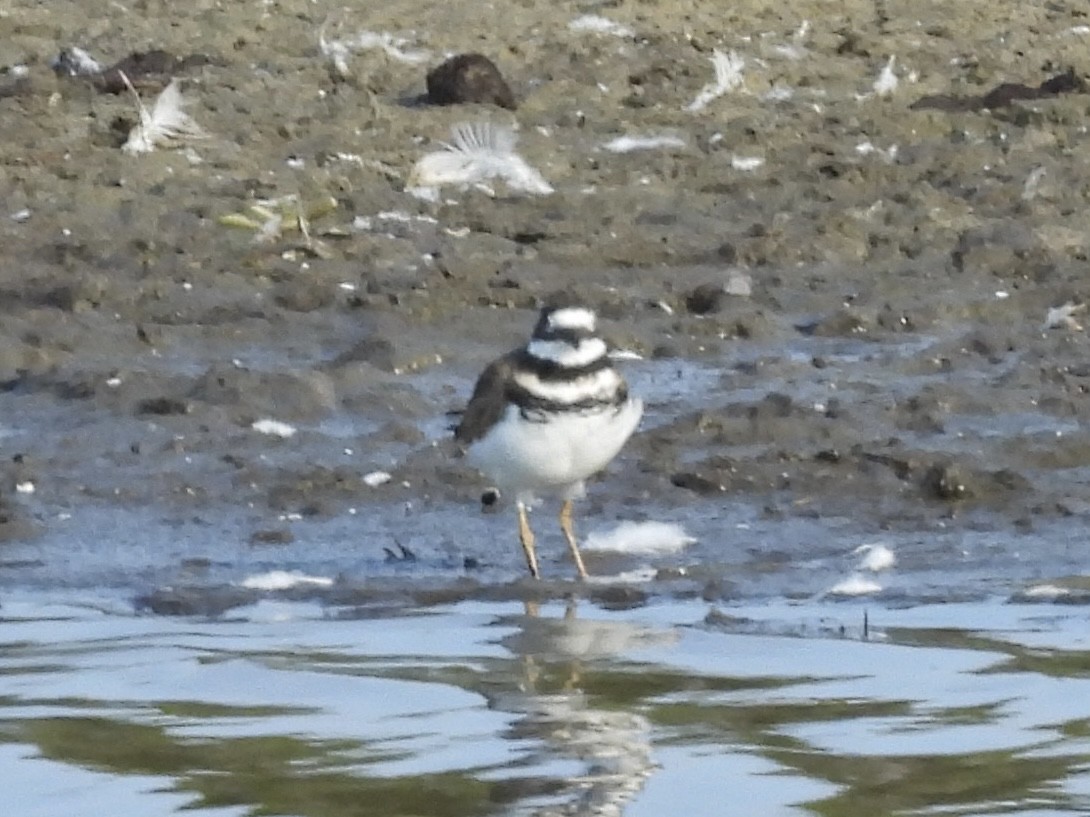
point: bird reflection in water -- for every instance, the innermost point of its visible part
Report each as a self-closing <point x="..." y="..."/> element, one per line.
<point x="560" y="658"/>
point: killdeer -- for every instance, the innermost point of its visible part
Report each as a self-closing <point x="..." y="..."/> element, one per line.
<point x="546" y="416"/>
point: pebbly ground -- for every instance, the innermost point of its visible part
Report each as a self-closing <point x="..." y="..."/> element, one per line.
<point x="890" y="371"/>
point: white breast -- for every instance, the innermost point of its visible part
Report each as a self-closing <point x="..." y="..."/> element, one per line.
<point x="553" y="453"/>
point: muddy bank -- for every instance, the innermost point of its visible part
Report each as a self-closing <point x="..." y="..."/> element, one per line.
<point x="894" y="368"/>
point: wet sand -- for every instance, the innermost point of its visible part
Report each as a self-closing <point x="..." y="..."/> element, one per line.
<point x="890" y="373"/>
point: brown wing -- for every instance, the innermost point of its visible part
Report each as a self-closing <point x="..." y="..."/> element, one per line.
<point x="488" y="402"/>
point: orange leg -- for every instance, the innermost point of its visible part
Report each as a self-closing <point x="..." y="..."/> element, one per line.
<point x="569" y="534"/>
<point x="526" y="539"/>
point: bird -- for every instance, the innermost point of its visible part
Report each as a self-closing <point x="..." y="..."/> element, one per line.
<point x="546" y="416"/>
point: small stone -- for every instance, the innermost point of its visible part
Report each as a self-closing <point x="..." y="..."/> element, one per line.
<point x="378" y="351"/>
<point x="946" y="482"/>
<point x="272" y="537"/>
<point x="697" y="483"/>
<point x="162" y="406"/>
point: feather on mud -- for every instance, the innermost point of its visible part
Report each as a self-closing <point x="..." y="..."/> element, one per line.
<point x="165" y="125"/>
<point x="477" y="153"/>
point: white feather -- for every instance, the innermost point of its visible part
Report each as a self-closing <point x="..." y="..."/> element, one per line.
<point x="746" y="163"/>
<point x="875" y="557"/>
<point x="887" y="81"/>
<point x="338" y="51"/>
<point x="728" y="76"/>
<point x="166" y="125"/>
<point x="284" y="580"/>
<point x="855" y="585"/>
<point x="628" y="144"/>
<point x="477" y="153"/>
<point x="274" y="428"/>
<point x="640" y="537"/>
<point x="600" y="25"/>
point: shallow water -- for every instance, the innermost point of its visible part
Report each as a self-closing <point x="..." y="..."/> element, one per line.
<point x="555" y="708"/>
<point x="743" y="672"/>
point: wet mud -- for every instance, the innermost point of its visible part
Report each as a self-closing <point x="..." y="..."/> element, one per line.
<point x="906" y="357"/>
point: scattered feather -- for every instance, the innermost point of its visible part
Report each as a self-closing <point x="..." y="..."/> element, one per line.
<point x="600" y="25"/>
<point x="640" y="537"/>
<point x="855" y="585"/>
<point x="340" y="51"/>
<point x="75" y="62"/>
<point x="376" y="478"/>
<point x="1063" y="317"/>
<point x="778" y="93"/>
<point x="885" y="84"/>
<point x="274" y="428"/>
<point x="166" y="125"/>
<point x="876" y="557"/>
<point x="284" y="580"/>
<point x="887" y="81"/>
<point x="1045" y="591"/>
<point x="869" y="148"/>
<point x="628" y="144"/>
<point x="746" y="163"/>
<point x="1033" y="183"/>
<point x="728" y="76"/>
<point x="366" y="223"/>
<point x="277" y="611"/>
<point x="477" y="153"/>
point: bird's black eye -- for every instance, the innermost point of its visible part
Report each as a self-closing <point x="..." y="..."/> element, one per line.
<point x="490" y="497"/>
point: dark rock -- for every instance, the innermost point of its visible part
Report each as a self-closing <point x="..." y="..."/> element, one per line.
<point x="284" y="394"/>
<point x="727" y="253"/>
<point x="469" y="78"/>
<point x="705" y="299"/>
<point x="842" y="323"/>
<point x="697" y="483"/>
<point x="947" y="482"/>
<point x="377" y="351"/>
<point x="162" y="406"/>
<point x="282" y="536"/>
<point x="195" y="601"/>
<point x="143" y="68"/>
<point x="619" y="597"/>
<point x="301" y="296"/>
